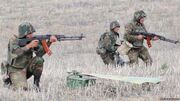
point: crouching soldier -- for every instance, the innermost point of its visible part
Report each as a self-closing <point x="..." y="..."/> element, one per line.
<point x="21" y="63"/>
<point x="107" y="46"/>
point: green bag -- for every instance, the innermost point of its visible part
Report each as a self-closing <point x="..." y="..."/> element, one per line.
<point x="77" y="80"/>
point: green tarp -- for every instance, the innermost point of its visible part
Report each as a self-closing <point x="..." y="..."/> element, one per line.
<point x="131" y="79"/>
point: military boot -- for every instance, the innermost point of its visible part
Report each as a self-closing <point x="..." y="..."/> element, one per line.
<point x="118" y="60"/>
<point x="35" y="68"/>
<point x="4" y="72"/>
<point x="37" y="75"/>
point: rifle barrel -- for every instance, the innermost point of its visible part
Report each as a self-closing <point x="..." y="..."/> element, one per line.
<point x="24" y="41"/>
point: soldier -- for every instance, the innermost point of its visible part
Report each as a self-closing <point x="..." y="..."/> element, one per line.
<point x="138" y="50"/>
<point x="107" y="45"/>
<point x="21" y="63"/>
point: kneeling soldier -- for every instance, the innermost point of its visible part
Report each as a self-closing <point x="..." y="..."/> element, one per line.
<point x="107" y="45"/>
<point x="21" y="63"/>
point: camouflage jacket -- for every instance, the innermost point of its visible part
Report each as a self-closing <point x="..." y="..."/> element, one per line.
<point x="134" y="27"/>
<point x="19" y="57"/>
<point x="107" y="41"/>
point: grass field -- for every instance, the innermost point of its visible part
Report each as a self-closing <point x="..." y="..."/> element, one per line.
<point x="92" y="17"/>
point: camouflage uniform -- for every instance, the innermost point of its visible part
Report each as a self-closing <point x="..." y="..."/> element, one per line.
<point x="138" y="50"/>
<point x="21" y="64"/>
<point x="107" y="46"/>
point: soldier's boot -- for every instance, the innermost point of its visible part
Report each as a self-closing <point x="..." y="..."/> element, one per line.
<point x="148" y="62"/>
<point x="118" y="60"/>
<point x="37" y="71"/>
<point x="7" y="81"/>
<point x="4" y="73"/>
<point x="37" y="75"/>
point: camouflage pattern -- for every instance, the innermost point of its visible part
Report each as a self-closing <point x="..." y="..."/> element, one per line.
<point x="138" y="49"/>
<point x="25" y="28"/>
<point x="18" y="57"/>
<point x="107" y="47"/>
<point x="19" y="77"/>
<point x="22" y="65"/>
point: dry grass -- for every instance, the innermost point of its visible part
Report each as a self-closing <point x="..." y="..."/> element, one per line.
<point x="92" y="17"/>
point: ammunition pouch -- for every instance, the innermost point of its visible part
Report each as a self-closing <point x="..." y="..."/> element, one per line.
<point x="124" y="48"/>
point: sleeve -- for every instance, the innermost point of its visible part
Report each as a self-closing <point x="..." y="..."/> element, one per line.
<point x="16" y="49"/>
<point x="108" y="44"/>
<point x="128" y="33"/>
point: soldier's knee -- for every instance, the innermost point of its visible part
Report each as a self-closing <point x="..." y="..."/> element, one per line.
<point x="38" y="60"/>
<point x="36" y="64"/>
<point x="133" y="61"/>
<point x="18" y="80"/>
<point x="133" y="58"/>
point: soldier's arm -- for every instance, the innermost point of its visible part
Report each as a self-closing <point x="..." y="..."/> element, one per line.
<point x="108" y="44"/>
<point x="16" y="49"/>
<point x="128" y="33"/>
<point x="41" y="49"/>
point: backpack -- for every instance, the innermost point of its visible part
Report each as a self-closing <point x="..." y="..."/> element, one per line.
<point x="100" y="49"/>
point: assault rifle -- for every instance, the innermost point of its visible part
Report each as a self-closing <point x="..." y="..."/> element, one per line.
<point x="150" y="36"/>
<point x="43" y="38"/>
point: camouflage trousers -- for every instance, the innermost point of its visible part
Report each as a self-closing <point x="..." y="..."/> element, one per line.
<point x="18" y="77"/>
<point x="112" y="58"/>
<point x="141" y="53"/>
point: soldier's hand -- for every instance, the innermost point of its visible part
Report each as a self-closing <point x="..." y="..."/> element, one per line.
<point x="155" y="38"/>
<point x="32" y="44"/>
<point x="140" y="37"/>
<point x="53" y="39"/>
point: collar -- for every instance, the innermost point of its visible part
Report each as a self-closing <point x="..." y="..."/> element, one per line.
<point x="114" y="33"/>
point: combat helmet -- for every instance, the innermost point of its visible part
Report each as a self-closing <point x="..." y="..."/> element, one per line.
<point x="139" y="14"/>
<point x="25" y="29"/>
<point x="114" y="24"/>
